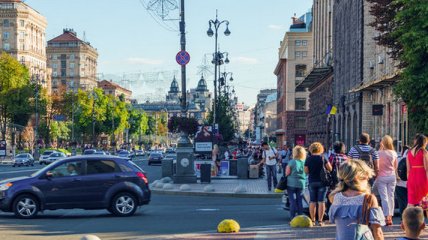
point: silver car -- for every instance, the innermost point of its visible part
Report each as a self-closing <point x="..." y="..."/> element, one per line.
<point x="54" y="157"/>
<point x="23" y="159"/>
<point x="45" y="155"/>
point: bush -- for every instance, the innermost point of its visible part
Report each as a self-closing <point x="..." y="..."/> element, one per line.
<point x="228" y="226"/>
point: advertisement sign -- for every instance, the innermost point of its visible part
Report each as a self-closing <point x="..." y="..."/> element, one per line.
<point x="224" y="168"/>
<point x="2" y="148"/>
<point x="204" y="139"/>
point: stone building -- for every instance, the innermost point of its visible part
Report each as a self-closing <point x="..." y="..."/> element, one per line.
<point x="319" y="81"/>
<point x="295" y="60"/>
<point x="73" y="62"/>
<point x="364" y="76"/>
<point x="114" y="89"/>
<point x="259" y="113"/>
<point x="23" y="35"/>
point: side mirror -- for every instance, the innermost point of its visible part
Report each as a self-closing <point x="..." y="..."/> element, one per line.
<point x="49" y="175"/>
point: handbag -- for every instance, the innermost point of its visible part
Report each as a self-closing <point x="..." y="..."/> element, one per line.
<point x="363" y="231"/>
<point x="282" y="184"/>
<point x="325" y="175"/>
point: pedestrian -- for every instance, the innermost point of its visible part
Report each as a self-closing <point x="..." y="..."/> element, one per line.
<point x="348" y="202"/>
<point x="317" y="189"/>
<point x="216" y="159"/>
<point x="401" y="188"/>
<point x="269" y="158"/>
<point x="296" y="181"/>
<point x="386" y="176"/>
<point x="417" y="160"/>
<point x="286" y="155"/>
<point x="363" y="151"/>
<point x="413" y="223"/>
<point x="337" y="157"/>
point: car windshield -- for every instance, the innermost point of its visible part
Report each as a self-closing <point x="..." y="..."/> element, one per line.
<point x="21" y="156"/>
<point x="155" y="155"/>
<point x="47" y="153"/>
<point x="40" y="171"/>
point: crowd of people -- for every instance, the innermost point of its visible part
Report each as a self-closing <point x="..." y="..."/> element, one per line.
<point x="358" y="189"/>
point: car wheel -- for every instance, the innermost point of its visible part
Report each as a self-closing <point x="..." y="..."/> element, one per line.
<point x="26" y="206"/>
<point x="123" y="205"/>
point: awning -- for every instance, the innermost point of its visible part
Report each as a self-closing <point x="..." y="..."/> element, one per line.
<point x="386" y="81"/>
<point x="280" y="132"/>
<point x="316" y="75"/>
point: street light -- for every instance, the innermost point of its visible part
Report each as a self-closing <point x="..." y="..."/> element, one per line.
<point x="37" y="81"/>
<point x="218" y="57"/>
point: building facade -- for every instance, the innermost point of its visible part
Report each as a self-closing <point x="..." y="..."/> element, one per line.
<point x="23" y="35"/>
<point x="364" y="76"/>
<point x="259" y="113"/>
<point x="73" y="62"/>
<point x="295" y="60"/>
<point x="114" y="89"/>
<point x="319" y="81"/>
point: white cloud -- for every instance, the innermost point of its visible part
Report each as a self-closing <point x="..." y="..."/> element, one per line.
<point x="140" y="61"/>
<point x="276" y="27"/>
<point x="245" y="60"/>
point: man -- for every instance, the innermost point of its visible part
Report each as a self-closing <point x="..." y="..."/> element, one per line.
<point x="269" y="157"/>
<point x="365" y="152"/>
<point x="413" y="223"/>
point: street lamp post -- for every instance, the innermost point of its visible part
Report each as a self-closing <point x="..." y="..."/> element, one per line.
<point x="218" y="57"/>
<point x="37" y="81"/>
<point x="223" y="80"/>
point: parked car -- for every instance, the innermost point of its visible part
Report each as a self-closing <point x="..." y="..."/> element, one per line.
<point x="54" y="157"/>
<point x="139" y="153"/>
<point x="89" y="151"/>
<point x="170" y="151"/>
<point x="124" y="154"/>
<point x="85" y="182"/>
<point x="45" y="155"/>
<point x="155" y="157"/>
<point x="23" y="159"/>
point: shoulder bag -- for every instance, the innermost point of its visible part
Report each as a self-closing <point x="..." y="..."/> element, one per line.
<point x="363" y="231"/>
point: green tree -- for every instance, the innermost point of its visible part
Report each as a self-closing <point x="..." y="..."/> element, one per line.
<point x="225" y="118"/>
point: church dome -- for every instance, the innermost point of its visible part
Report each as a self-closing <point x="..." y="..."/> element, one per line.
<point x="202" y="85"/>
<point x="174" y="86"/>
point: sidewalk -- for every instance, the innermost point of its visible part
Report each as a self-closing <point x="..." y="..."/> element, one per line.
<point x="225" y="187"/>
<point x="282" y="232"/>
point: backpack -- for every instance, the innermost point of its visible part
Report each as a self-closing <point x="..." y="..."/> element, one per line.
<point x="325" y="175"/>
<point x="402" y="169"/>
<point x="366" y="156"/>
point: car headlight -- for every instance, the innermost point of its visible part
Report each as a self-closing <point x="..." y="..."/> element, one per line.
<point x="6" y="186"/>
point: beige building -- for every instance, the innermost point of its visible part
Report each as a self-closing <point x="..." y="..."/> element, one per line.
<point x="244" y="117"/>
<point x="73" y="62"/>
<point x="114" y="89"/>
<point x="22" y="33"/>
<point x="295" y="60"/>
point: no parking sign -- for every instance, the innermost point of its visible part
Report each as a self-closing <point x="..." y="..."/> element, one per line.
<point x="182" y="58"/>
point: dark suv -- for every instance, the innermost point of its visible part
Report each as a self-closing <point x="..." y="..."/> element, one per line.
<point x="86" y="182"/>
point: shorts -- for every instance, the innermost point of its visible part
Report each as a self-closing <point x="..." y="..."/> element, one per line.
<point x="317" y="192"/>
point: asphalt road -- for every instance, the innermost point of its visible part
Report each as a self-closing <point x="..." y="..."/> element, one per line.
<point x="164" y="215"/>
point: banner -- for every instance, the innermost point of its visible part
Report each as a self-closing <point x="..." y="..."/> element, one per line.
<point x="204" y="140"/>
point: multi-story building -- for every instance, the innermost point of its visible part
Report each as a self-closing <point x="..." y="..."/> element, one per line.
<point x="295" y="59"/>
<point x="319" y="81"/>
<point x="270" y="117"/>
<point x="73" y="62"/>
<point x="114" y="89"/>
<point x="259" y="113"/>
<point x="22" y="34"/>
<point x="244" y="119"/>
<point x="363" y="78"/>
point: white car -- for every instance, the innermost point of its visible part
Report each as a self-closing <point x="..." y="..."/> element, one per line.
<point x="54" y="157"/>
<point x="45" y="156"/>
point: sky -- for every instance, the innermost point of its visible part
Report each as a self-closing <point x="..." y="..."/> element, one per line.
<point x="130" y="40"/>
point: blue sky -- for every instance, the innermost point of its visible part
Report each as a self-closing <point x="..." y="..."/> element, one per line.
<point x="129" y="40"/>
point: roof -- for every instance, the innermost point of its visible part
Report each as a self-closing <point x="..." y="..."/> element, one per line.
<point x="104" y="84"/>
<point x="316" y="75"/>
<point x="67" y="36"/>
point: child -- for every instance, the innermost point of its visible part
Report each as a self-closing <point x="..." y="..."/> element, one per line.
<point x="413" y="223"/>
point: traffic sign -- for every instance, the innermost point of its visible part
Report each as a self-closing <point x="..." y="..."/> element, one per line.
<point x="182" y="58"/>
<point x="59" y="118"/>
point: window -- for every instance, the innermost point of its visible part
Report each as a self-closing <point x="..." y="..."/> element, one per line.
<point x="300" y="104"/>
<point x="22" y="23"/>
<point x="304" y="54"/>
<point x="54" y="66"/>
<point x="6" y="23"/>
<point x="304" y="42"/>
<point x="125" y="168"/>
<point x="298" y="54"/>
<point x="298" y="42"/>
<point x="22" y="35"/>
<point x="300" y="122"/>
<point x="71" y="74"/>
<point x="6" y="35"/>
<point x="63" y="64"/>
<point x="300" y="70"/>
<point x="67" y="169"/>
<point x="63" y="73"/>
<point x="6" y="46"/>
<point x="71" y="65"/>
<point x="71" y="56"/>
<point x="100" y="167"/>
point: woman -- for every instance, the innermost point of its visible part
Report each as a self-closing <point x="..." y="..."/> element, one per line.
<point x="317" y="190"/>
<point x="296" y="181"/>
<point x="348" y="199"/>
<point x="417" y="171"/>
<point x="216" y="159"/>
<point x="336" y="159"/>
<point x="386" y="176"/>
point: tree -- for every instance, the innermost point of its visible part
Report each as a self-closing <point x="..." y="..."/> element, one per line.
<point x="13" y="77"/>
<point x="403" y="29"/>
<point x="225" y="118"/>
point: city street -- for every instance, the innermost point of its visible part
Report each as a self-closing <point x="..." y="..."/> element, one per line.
<point x="164" y="215"/>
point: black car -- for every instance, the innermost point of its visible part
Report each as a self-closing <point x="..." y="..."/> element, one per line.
<point x="86" y="182"/>
<point x="155" y="157"/>
<point x="23" y="159"/>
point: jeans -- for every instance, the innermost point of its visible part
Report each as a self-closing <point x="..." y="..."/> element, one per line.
<point x="386" y="188"/>
<point x="401" y="193"/>
<point x="317" y="192"/>
<point x="295" y="196"/>
<point x="271" y="174"/>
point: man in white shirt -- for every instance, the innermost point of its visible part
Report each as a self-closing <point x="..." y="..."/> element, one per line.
<point x="270" y="156"/>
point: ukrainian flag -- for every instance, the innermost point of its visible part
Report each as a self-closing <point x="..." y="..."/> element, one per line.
<point x="331" y="110"/>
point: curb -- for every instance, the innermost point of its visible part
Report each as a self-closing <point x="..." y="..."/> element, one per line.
<point x="217" y="194"/>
